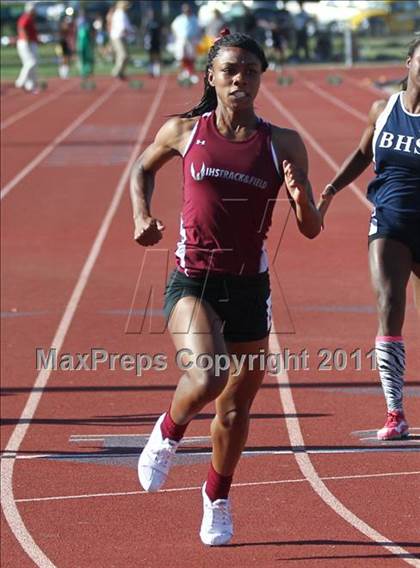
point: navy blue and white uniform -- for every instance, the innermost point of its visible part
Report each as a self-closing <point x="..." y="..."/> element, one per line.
<point x="395" y="192"/>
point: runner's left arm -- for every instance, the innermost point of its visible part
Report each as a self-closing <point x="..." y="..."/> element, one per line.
<point x="291" y="153"/>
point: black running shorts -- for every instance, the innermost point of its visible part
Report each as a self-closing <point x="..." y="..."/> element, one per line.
<point x="243" y="303"/>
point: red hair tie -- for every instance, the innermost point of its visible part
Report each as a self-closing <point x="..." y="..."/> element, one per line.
<point x="223" y="32"/>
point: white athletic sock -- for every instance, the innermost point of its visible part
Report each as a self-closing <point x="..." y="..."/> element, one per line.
<point x="63" y="71"/>
<point x="390" y="360"/>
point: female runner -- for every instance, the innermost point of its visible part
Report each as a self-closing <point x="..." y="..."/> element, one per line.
<point x="218" y="299"/>
<point x="392" y="139"/>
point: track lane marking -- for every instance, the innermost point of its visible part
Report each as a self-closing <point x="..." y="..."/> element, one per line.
<point x="31" y="108"/>
<point x="309" y="471"/>
<point x="370" y="88"/>
<point x="313" y="143"/>
<point x="246" y="484"/>
<point x="57" y="140"/>
<point x="333" y="99"/>
<point x="293" y="425"/>
<point x="199" y="487"/>
<point x="8" y="503"/>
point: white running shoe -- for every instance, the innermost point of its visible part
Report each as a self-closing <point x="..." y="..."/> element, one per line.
<point x="216" y="526"/>
<point x="156" y="459"/>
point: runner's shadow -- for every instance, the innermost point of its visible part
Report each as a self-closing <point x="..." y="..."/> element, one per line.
<point x="96" y="449"/>
<point x="334" y="384"/>
<point x="331" y="542"/>
<point x="137" y="419"/>
<point x="390" y="556"/>
<point x="324" y="542"/>
<point x="5" y="390"/>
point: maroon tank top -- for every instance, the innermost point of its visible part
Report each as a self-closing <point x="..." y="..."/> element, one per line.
<point x="229" y="195"/>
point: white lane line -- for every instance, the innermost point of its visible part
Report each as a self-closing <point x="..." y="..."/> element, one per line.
<point x="8" y="503"/>
<point x="371" y="88"/>
<point x="293" y="426"/>
<point x="31" y="108"/>
<point x="309" y="472"/>
<point x="196" y="488"/>
<point x="66" y="132"/>
<point x="335" y="100"/>
<point x="100" y="457"/>
<point x="311" y="140"/>
<point x="369" y="475"/>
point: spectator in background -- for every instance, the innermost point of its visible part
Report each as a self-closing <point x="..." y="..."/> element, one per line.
<point x="324" y="51"/>
<point x="108" y="18"/>
<point x="108" y="51"/>
<point x="65" y="46"/>
<point x="301" y="28"/>
<point x="276" y="26"/>
<point x="281" y="34"/>
<point x="27" y="47"/>
<point x="120" y="30"/>
<point x="214" y="26"/>
<point x="84" y="45"/>
<point x="153" y="41"/>
<point x="187" y="34"/>
<point x="249" y="22"/>
<point x="101" y="36"/>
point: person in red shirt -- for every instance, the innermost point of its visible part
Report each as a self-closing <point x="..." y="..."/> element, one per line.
<point x="27" y="45"/>
<point x="218" y="300"/>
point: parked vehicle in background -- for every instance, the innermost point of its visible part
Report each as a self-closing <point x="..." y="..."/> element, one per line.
<point x="375" y="17"/>
<point x="388" y="16"/>
<point x="329" y="15"/>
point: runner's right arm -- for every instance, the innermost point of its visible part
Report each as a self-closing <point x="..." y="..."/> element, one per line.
<point x="356" y="162"/>
<point x="167" y="144"/>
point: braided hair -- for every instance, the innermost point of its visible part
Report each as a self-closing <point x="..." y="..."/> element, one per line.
<point x="209" y="99"/>
<point x="411" y="49"/>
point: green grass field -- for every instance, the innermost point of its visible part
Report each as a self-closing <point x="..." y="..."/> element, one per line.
<point x="48" y="63"/>
<point x="390" y="49"/>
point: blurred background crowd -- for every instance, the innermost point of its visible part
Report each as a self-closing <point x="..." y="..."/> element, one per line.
<point x="125" y="37"/>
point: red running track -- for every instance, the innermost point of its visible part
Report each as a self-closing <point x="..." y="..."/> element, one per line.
<point x="313" y="487"/>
